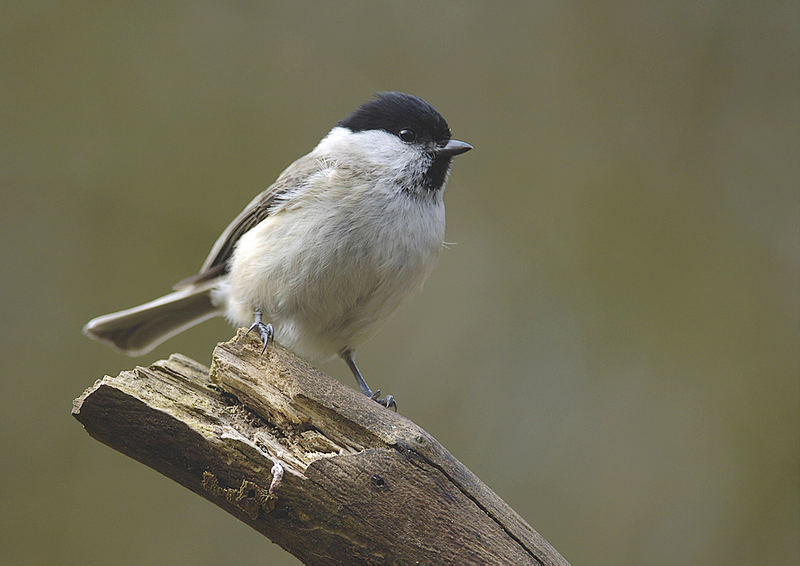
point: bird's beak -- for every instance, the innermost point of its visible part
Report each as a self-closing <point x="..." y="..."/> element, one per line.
<point x="453" y="147"/>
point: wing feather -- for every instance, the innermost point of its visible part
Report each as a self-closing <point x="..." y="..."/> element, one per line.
<point x="294" y="177"/>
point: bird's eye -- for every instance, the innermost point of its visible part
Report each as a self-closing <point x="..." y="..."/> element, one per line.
<point x="407" y="135"/>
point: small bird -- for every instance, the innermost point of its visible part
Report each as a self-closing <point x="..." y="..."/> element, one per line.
<point x="320" y="259"/>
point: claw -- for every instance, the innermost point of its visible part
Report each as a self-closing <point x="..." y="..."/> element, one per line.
<point x="265" y="330"/>
<point x="387" y="401"/>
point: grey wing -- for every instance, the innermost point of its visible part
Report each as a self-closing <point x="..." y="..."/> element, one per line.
<point x="257" y="210"/>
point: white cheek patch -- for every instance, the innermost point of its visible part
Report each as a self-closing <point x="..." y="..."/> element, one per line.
<point x="383" y="153"/>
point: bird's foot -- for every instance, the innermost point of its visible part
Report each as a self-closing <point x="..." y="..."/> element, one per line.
<point x="349" y="357"/>
<point x="387" y="401"/>
<point x="265" y="330"/>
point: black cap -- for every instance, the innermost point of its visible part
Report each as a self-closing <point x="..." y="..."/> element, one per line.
<point x="394" y="112"/>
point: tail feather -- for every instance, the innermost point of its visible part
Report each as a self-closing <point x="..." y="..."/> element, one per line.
<point x="139" y="329"/>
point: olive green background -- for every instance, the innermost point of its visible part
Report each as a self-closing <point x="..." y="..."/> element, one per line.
<point x="611" y="343"/>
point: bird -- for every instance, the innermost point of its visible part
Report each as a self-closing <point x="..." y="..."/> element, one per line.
<point x="320" y="259"/>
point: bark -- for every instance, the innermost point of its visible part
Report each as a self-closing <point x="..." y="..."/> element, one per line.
<point x="310" y="463"/>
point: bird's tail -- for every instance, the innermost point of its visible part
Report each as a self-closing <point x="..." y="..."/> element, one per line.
<point x="138" y="330"/>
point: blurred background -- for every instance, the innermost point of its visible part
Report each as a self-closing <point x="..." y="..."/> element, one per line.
<point x="611" y="344"/>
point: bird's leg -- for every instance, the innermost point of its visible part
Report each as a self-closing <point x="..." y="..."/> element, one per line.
<point x="350" y="359"/>
<point x="266" y="330"/>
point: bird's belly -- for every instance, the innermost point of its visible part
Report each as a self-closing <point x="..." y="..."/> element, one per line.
<point x="327" y="286"/>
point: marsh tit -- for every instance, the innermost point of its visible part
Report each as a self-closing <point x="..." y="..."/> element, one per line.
<point x="321" y="258"/>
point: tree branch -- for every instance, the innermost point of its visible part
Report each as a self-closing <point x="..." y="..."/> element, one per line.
<point x="315" y="466"/>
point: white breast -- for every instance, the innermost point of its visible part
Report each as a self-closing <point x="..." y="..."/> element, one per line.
<point x="330" y="265"/>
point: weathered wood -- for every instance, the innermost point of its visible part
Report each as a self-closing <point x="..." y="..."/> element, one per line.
<point x="360" y="483"/>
